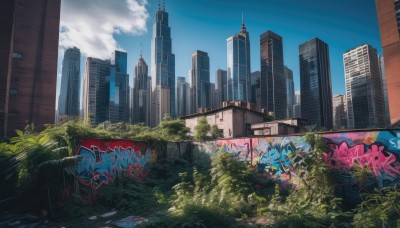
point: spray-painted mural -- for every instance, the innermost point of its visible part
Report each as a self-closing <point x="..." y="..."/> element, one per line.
<point x="241" y="148"/>
<point x="379" y="150"/>
<point x="101" y="161"/>
<point x="274" y="156"/>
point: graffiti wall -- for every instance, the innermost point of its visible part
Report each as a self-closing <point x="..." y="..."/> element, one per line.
<point x="241" y="148"/>
<point x="275" y="156"/>
<point x="101" y="161"/>
<point x="379" y="150"/>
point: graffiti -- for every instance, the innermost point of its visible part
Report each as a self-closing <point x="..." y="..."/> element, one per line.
<point x="383" y="165"/>
<point x="275" y="156"/>
<point x="239" y="148"/>
<point x="99" y="163"/>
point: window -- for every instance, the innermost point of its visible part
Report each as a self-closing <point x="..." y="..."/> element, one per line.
<point x="17" y="55"/>
<point x="13" y="91"/>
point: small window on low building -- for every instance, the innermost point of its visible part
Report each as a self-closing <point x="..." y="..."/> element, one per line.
<point x="13" y="91"/>
<point x="17" y="55"/>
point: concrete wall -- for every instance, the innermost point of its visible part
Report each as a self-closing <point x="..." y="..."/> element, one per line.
<point x="275" y="156"/>
<point x="101" y="161"/>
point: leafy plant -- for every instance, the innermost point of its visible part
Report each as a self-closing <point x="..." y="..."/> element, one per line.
<point x="313" y="203"/>
<point x="379" y="209"/>
<point x="202" y="129"/>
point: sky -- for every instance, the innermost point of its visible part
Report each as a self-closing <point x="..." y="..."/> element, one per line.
<point x="98" y="27"/>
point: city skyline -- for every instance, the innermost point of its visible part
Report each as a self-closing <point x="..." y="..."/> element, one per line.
<point x="190" y="30"/>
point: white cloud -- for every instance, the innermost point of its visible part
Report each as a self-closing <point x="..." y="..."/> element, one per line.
<point x="91" y="24"/>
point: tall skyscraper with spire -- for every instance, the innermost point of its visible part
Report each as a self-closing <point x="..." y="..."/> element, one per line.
<point x="238" y="69"/>
<point x="141" y="93"/>
<point x="162" y="69"/>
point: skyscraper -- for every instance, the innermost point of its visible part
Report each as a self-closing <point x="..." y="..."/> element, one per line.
<point x="315" y="84"/>
<point x="297" y="105"/>
<point x="339" y="112"/>
<point x="389" y="26"/>
<point x="200" y="80"/>
<point x="255" y="88"/>
<point x="238" y="71"/>
<point x="384" y="89"/>
<point x="365" y="102"/>
<point x="119" y="88"/>
<point x="162" y="69"/>
<point x="97" y="90"/>
<point x="28" y="59"/>
<point x="183" y="95"/>
<point x="69" y="100"/>
<point x="289" y="91"/>
<point x="221" y="87"/>
<point x="273" y="82"/>
<point x="141" y="97"/>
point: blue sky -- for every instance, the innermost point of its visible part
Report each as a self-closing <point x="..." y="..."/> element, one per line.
<point x="206" y="24"/>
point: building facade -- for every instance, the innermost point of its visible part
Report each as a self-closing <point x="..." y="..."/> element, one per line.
<point x="183" y="95"/>
<point x="364" y="91"/>
<point x="69" y="100"/>
<point x="289" y="91"/>
<point x="238" y="69"/>
<point x="162" y="69"/>
<point x="297" y="105"/>
<point x="97" y="90"/>
<point x="221" y="87"/>
<point x="255" y="88"/>
<point x="28" y="59"/>
<point x="384" y="89"/>
<point x="389" y="26"/>
<point x="119" y="88"/>
<point x="231" y="120"/>
<point x="273" y="82"/>
<point x="141" y="93"/>
<point x="200" y="86"/>
<point x="315" y="84"/>
<point x="339" y="112"/>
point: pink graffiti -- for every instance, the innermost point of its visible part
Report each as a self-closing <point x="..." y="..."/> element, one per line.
<point x="343" y="156"/>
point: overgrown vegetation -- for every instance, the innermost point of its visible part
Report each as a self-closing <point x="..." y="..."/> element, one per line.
<point x="204" y="131"/>
<point x="36" y="168"/>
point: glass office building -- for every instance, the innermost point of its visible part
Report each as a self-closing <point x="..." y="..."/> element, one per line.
<point x="97" y="90"/>
<point x="272" y="80"/>
<point x="200" y="80"/>
<point x="289" y="91"/>
<point x="364" y="91"/>
<point x="68" y="100"/>
<point x="238" y="70"/>
<point x="162" y="69"/>
<point x="315" y="84"/>
<point x="141" y="90"/>
<point x="119" y="88"/>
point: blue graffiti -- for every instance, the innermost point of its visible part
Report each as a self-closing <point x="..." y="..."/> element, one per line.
<point x="96" y="167"/>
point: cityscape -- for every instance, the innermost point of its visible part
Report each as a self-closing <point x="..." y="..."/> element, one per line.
<point x="102" y="90"/>
<point x="200" y="113"/>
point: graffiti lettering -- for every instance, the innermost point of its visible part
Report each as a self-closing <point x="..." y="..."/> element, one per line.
<point x="344" y="156"/>
<point x="96" y="168"/>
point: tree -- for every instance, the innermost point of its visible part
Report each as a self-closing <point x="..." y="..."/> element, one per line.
<point x="202" y="129"/>
<point x="171" y="130"/>
<point x="215" y="132"/>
